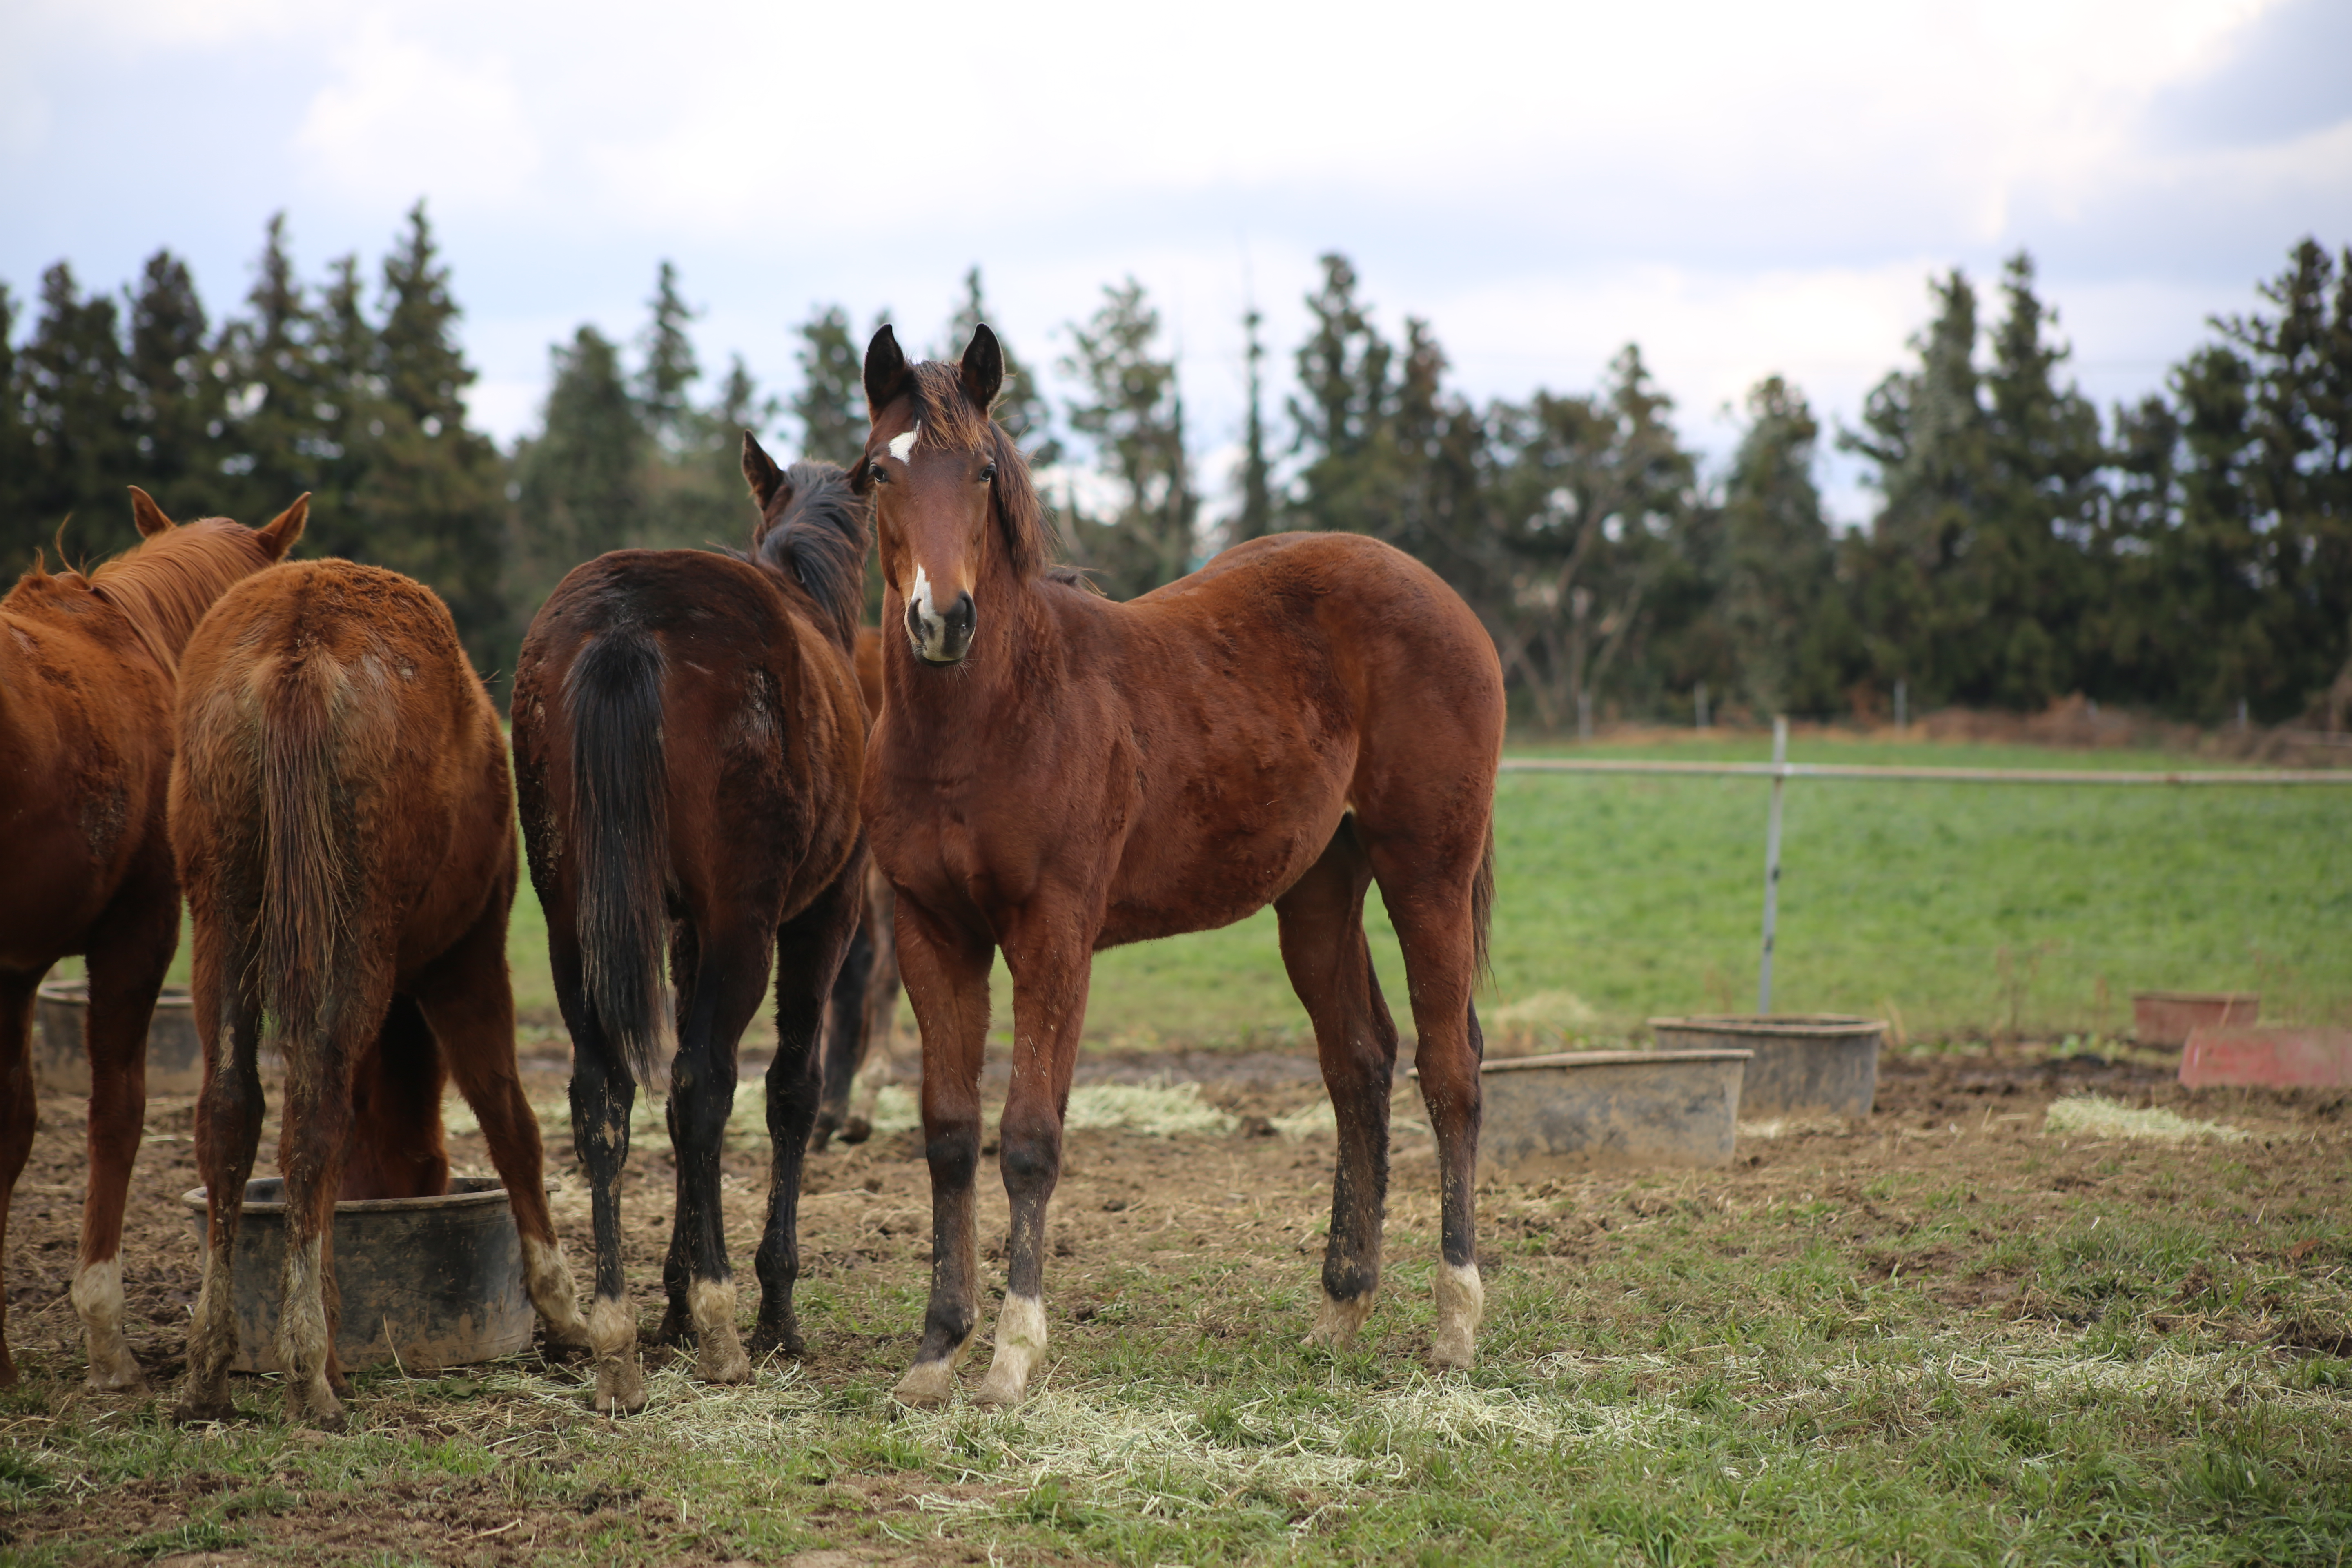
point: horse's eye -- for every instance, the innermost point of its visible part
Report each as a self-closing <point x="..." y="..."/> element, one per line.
<point x="874" y="472"/>
<point x="988" y="474"/>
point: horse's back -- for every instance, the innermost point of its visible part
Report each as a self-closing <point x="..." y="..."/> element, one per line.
<point x="354" y="674"/>
<point x="762" y="723"/>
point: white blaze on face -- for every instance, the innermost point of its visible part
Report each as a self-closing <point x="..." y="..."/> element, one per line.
<point x="901" y="444"/>
<point x="933" y="633"/>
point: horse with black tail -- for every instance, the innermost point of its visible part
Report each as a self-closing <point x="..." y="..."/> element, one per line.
<point x="688" y="739"/>
<point x="344" y="822"/>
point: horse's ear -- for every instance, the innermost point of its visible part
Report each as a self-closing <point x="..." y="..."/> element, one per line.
<point x="886" y="375"/>
<point x="981" y="368"/>
<point x="760" y="471"/>
<point x="147" y="515"/>
<point x="283" y="530"/>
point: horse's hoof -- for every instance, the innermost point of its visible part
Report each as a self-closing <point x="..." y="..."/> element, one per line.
<point x="322" y="1409"/>
<point x="767" y="1340"/>
<point x="117" y="1375"/>
<point x="999" y="1389"/>
<point x="676" y="1327"/>
<point x="857" y="1131"/>
<point x="723" y="1362"/>
<point x="620" y="1387"/>
<point x="1453" y="1352"/>
<point x="1338" y="1323"/>
<point x="928" y="1385"/>
<point x="566" y="1344"/>
<point x="197" y="1412"/>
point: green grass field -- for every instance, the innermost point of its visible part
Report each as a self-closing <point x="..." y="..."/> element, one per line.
<point x="1957" y="909"/>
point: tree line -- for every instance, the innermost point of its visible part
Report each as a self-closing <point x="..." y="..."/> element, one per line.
<point x="2190" y="553"/>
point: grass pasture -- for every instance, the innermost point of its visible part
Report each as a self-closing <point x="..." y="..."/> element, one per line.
<point x="1969" y="1330"/>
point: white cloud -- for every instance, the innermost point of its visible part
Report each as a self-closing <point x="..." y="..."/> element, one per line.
<point x="401" y="120"/>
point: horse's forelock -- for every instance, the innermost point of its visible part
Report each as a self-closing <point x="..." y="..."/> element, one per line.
<point x="947" y="419"/>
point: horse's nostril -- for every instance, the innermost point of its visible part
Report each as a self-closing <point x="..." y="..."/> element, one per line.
<point x="962" y="613"/>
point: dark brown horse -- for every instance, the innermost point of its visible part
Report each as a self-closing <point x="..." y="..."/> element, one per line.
<point x="862" y="1022"/>
<point x="1056" y="773"/>
<point x="344" y="825"/>
<point x="689" y="740"/>
<point x="87" y="667"/>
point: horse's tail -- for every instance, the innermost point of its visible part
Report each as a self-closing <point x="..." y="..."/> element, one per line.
<point x="306" y="891"/>
<point x="1482" y="907"/>
<point x="620" y="838"/>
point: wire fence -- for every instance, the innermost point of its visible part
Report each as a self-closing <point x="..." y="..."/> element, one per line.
<point x="1779" y="770"/>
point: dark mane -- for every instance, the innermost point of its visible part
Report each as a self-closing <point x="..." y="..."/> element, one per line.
<point x="818" y="540"/>
<point x="951" y="420"/>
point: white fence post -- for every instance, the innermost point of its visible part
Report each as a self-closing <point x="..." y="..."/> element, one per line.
<point x="1772" y="862"/>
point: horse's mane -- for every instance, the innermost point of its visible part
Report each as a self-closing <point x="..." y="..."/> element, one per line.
<point x="819" y="542"/>
<point x="164" y="584"/>
<point x="951" y="420"/>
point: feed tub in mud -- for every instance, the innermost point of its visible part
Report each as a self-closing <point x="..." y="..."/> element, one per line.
<point x="436" y="1282"/>
<point x="176" y="1058"/>
<point x="2170" y="1017"/>
<point x="1611" y="1110"/>
<point x="1817" y="1064"/>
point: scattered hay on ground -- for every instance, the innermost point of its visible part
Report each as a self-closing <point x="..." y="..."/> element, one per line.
<point x="2095" y="1116"/>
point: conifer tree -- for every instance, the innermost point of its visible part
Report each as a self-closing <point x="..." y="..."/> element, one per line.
<point x="181" y="406"/>
<point x="274" y="439"/>
<point x="582" y="481"/>
<point x="75" y="393"/>
<point x="1134" y="411"/>
<point x="1255" y="518"/>
<point x="831" y="403"/>
<point x="669" y="364"/>
<point x="1021" y="406"/>
<point x="1775" y="574"/>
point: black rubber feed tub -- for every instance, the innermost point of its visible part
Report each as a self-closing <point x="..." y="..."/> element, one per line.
<point x="431" y="1282"/>
<point x="1818" y="1063"/>
<point x="175" y="1057"/>
<point x="1609" y="1111"/>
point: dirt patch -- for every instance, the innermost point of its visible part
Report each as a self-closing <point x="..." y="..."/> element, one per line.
<point x="1948" y="1130"/>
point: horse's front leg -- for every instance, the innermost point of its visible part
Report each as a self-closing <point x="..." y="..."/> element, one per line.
<point x="1049" y="1008"/>
<point x="946" y="972"/>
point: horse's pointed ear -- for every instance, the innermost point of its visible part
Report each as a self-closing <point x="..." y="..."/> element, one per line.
<point x="760" y="471"/>
<point x="887" y="376"/>
<point x="982" y="368"/>
<point x="147" y="515"/>
<point x="284" y="529"/>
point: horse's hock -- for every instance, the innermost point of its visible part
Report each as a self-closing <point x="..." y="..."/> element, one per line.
<point x="433" y="1282"/>
<point x="1599" y="1111"/>
<point x="1806" y="1064"/>
<point x="175" y="1055"/>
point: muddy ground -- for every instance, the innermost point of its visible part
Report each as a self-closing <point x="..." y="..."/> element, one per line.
<point x="1130" y="1203"/>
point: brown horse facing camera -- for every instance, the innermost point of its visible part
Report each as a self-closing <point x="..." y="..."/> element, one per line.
<point x="689" y="740"/>
<point x="1055" y="773"/>
<point x="343" y="824"/>
<point x="87" y="667"/>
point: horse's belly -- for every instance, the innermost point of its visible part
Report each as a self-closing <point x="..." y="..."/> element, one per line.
<point x="1167" y="887"/>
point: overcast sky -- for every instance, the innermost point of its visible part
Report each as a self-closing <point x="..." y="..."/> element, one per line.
<point x="1741" y="188"/>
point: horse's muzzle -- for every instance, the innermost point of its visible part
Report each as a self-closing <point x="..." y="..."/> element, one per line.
<point x="943" y="638"/>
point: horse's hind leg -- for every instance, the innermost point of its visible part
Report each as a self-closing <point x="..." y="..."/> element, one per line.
<point x="1431" y="913"/>
<point x="808" y="952"/>
<point x="468" y="1000"/>
<point x="731" y="971"/>
<point x="128" y="956"/>
<point x="603" y="1095"/>
<point x="878" y="1027"/>
<point x="845" y="1042"/>
<point x="1322" y="925"/>
<point x="18" y="1116"/>
<point x="312" y="1148"/>
<point x="229" y="1129"/>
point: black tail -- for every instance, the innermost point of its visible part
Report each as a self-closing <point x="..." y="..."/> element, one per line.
<point x="620" y="838"/>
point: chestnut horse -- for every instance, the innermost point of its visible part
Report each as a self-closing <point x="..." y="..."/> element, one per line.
<point x="858" y="1058"/>
<point x="87" y="666"/>
<point x="344" y="825"/>
<point x="1056" y="774"/>
<point x="689" y="740"/>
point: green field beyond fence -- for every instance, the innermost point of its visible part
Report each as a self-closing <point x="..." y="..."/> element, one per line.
<point x="1951" y="909"/>
<point x="1958" y="908"/>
